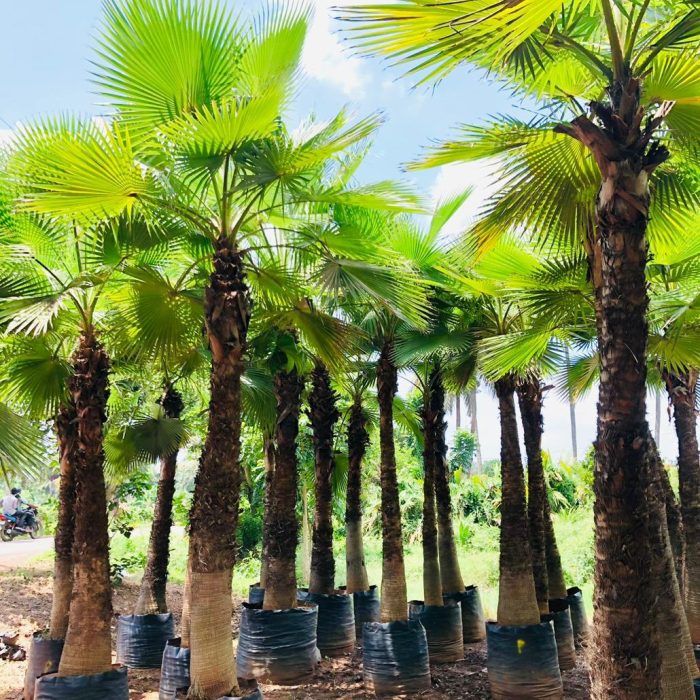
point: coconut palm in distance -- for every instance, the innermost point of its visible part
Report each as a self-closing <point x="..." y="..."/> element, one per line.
<point x="635" y="66"/>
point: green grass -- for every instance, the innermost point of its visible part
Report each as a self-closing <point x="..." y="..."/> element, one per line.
<point x="478" y="554"/>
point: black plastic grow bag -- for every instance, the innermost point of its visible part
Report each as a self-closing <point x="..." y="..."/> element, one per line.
<point x="579" y="621"/>
<point x="366" y="605"/>
<point x="142" y="638"/>
<point x="522" y="662"/>
<point x="111" y="685"/>
<point x="252" y="695"/>
<point x="563" y="632"/>
<point x="335" y="630"/>
<point x="44" y="656"/>
<point x="175" y="670"/>
<point x="473" y="625"/>
<point x="278" y="646"/>
<point x="255" y="593"/>
<point x="443" y="629"/>
<point x="395" y="657"/>
<point x="366" y="608"/>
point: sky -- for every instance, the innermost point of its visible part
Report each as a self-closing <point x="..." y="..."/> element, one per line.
<point x="45" y="52"/>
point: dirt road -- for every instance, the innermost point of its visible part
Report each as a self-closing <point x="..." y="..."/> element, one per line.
<point x="22" y="551"/>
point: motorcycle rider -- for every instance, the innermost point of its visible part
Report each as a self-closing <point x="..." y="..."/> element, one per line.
<point x="10" y="504"/>
<point x="12" y="509"/>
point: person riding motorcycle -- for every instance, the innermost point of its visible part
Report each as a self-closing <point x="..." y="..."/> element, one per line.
<point x="12" y="509"/>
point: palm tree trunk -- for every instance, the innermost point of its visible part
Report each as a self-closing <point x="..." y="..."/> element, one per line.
<point x="474" y="429"/>
<point x="627" y="661"/>
<point x="517" y="600"/>
<point x="572" y="413"/>
<point x="681" y="389"/>
<point x="152" y="593"/>
<point x="306" y="536"/>
<point x="450" y="572"/>
<point x="88" y="646"/>
<point x="214" y="513"/>
<point x="657" y="420"/>
<point x="432" y="583"/>
<point x="358" y="439"/>
<point x="677" y="658"/>
<point x="674" y="524"/>
<point x="269" y="462"/>
<point x="555" y="570"/>
<point x="67" y="434"/>
<point x="394" y="598"/>
<point x="530" y="400"/>
<point x="186" y="618"/>
<point x="324" y="416"/>
<point x="458" y="411"/>
<point x="281" y="584"/>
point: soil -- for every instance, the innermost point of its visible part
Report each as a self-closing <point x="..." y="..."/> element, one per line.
<point x="27" y="604"/>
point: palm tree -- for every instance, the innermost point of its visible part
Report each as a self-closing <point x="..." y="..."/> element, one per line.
<point x="68" y="268"/>
<point x="139" y="442"/>
<point x="358" y="441"/>
<point x="429" y="252"/>
<point x="324" y="415"/>
<point x="394" y="596"/>
<point x="35" y="373"/>
<point x="281" y="585"/>
<point x="632" y="66"/>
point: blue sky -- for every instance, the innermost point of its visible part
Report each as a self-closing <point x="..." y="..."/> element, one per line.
<point x="45" y="51"/>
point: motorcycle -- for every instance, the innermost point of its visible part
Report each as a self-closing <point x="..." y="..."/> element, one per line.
<point x="31" y="525"/>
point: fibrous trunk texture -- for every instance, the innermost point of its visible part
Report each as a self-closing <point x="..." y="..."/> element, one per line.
<point x="555" y="570"/>
<point x="324" y="415"/>
<point x="674" y="523"/>
<point x="152" y="593"/>
<point x="185" y="621"/>
<point x="269" y="461"/>
<point x="281" y="584"/>
<point x="394" y="598"/>
<point x="214" y="513"/>
<point x="432" y="584"/>
<point x="358" y="440"/>
<point x="67" y="435"/>
<point x="530" y="401"/>
<point x="681" y="389"/>
<point x="517" y="601"/>
<point x="87" y="649"/>
<point x="626" y="660"/>
<point x="450" y="572"/>
<point x="677" y="658"/>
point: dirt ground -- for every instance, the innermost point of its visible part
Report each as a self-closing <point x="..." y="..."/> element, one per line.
<point x="26" y="596"/>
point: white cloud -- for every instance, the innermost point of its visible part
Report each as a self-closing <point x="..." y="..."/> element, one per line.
<point x="325" y="57"/>
<point x="481" y="176"/>
<point x="6" y="136"/>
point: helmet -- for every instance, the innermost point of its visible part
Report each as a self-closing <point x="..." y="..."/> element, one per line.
<point x="16" y="492"/>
